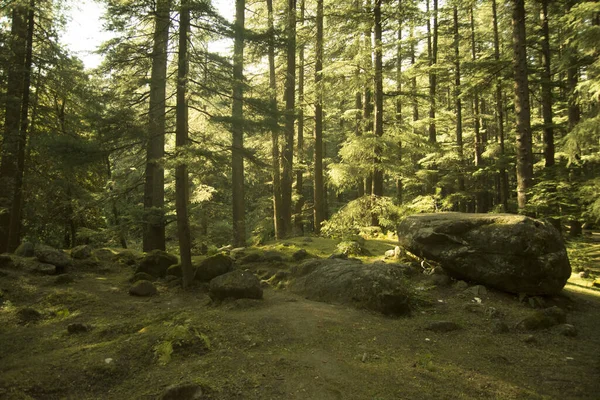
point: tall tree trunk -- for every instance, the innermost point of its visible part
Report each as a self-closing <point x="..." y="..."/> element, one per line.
<point x="399" y="183"/>
<point x="290" y="98"/>
<point x="154" y="188"/>
<point x="413" y="61"/>
<point x="368" y="91"/>
<point x="319" y="189"/>
<point x="503" y="176"/>
<point x="547" y="89"/>
<point x="237" y="129"/>
<point x="298" y="220"/>
<point x="433" y="49"/>
<point x="181" y="141"/>
<point x="274" y="126"/>
<point x="14" y="98"/>
<point x="14" y="236"/>
<point x="378" y="100"/>
<point x="523" y="128"/>
<point x="574" y="111"/>
<point x="458" y="104"/>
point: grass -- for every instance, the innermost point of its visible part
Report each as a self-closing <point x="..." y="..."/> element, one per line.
<point x="284" y="347"/>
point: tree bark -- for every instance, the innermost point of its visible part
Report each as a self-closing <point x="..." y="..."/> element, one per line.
<point x="298" y="220"/>
<point x="274" y="126"/>
<point x="546" y="82"/>
<point x="181" y="142"/>
<point x="399" y="183"/>
<point x="523" y="126"/>
<point x="378" y="100"/>
<point x="368" y="92"/>
<point x="237" y="129"/>
<point x="458" y="103"/>
<point x="290" y="98"/>
<point x="154" y="187"/>
<point x="319" y="189"/>
<point x="503" y="176"/>
<point x="433" y="50"/>
<point x="14" y="98"/>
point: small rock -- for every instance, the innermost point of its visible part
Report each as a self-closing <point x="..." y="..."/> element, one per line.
<point x="141" y="276"/>
<point x="64" y="279"/>
<point x="556" y="313"/>
<point x="492" y="312"/>
<point x="237" y="252"/>
<point x="530" y="339"/>
<point x="77" y="327"/>
<point x="390" y="254"/>
<point x="543" y="319"/>
<point x="477" y="290"/>
<point x="566" y="330"/>
<point x="584" y="274"/>
<point x="442" y="326"/>
<point x="188" y="391"/>
<point x="307" y="240"/>
<point x="474" y="307"/>
<point x="174" y="270"/>
<point x="235" y="284"/>
<point x="25" y="249"/>
<point x="461" y="285"/>
<point x="81" y="252"/>
<point x="397" y="251"/>
<point x="28" y="314"/>
<point x="143" y="289"/>
<point x="300" y="255"/>
<point x="440" y="280"/>
<point x="156" y="263"/>
<point x="499" y="327"/>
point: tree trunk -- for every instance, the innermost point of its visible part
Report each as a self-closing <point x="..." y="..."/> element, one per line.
<point x="14" y="98"/>
<point x="368" y="92"/>
<point x="523" y="127"/>
<point x="319" y="194"/>
<point x="503" y="176"/>
<point x="181" y="141"/>
<point x="298" y="220"/>
<point x="413" y="61"/>
<point x="433" y="49"/>
<point x="378" y="100"/>
<point x="546" y="82"/>
<point x="154" y="188"/>
<point x="458" y="105"/>
<point x="399" y="183"/>
<point x="237" y="129"/>
<point x="14" y="236"/>
<point x="290" y="97"/>
<point x="274" y="126"/>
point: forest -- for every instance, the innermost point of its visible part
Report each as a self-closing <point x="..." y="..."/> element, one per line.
<point x="304" y="199"/>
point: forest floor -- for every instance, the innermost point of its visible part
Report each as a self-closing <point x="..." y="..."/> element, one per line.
<point x="285" y="347"/>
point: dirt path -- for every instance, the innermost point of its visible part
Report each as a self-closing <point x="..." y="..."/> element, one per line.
<point x="284" y="347"/>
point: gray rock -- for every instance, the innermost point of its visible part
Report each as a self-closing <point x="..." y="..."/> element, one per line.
<point x="305" y="268"/>
<point x="390" y="253"/>
<point x="237" y="285"/>
<point x="129" y="257"/>
<point x="512" y="253"/>
<point x="442" y="326"/>
<point x="78" y="327"/>
<point x="584" y="274"/>
<point x="50" y="255"/>
<point x="499" y="327"/>
<point x="188" y="391"/>
<point x="477" y="290"/>
<point x="143" y="289"/>
<point x="352" y="248"/>
<point x="566" y="330"/>
<point x="25" y="249"/>
<point x="531" y="339"/>
<point x="461" y="285"/>
<point x="440" y="280"/>
<point x="81" y="252"/>
<point x="378" y="287"/>
<point x="156" y="263"/>
<point x="142" y="276"/>
<point x="299" y="255"/>
<point x="175" y="270"/>
<point x="64" y="279"/>
<point x="213" y="266"/>
<point x="41" y="268"/>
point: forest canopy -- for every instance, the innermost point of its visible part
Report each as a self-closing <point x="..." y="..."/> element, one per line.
<point x="325" y="117"/>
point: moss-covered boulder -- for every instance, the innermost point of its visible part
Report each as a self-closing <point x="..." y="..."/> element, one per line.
<point x="235" y="285"/>
<point x="143" y="289"/>
<point x="512" y="253"/>
<point x="25" y="249"/>
<point x="50" y="255"/>
<point x="378" y="287"/>
<point x="175" y="270"/>
<point x="214" y="266"/>
<point x="543" y="319"/>
<point x="81" y="252"/>
<point x="156" y="263"/>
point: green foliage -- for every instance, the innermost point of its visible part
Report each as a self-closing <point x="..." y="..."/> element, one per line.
<point x="180" y="337"/>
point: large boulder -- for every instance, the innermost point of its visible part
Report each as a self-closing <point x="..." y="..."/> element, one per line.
<point x="156" y="263"/>
<point x="25" y="249"/>
<point x="379" y="287"/>
<point x="236" y="285"/>
<point x="50" y="255"/>
<point x="512" y="253"/>
<point x="81" y="252"/>
<point x="214" y="266"/>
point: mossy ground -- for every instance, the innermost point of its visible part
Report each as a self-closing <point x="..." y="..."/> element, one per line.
<point x="284" y="347"/>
